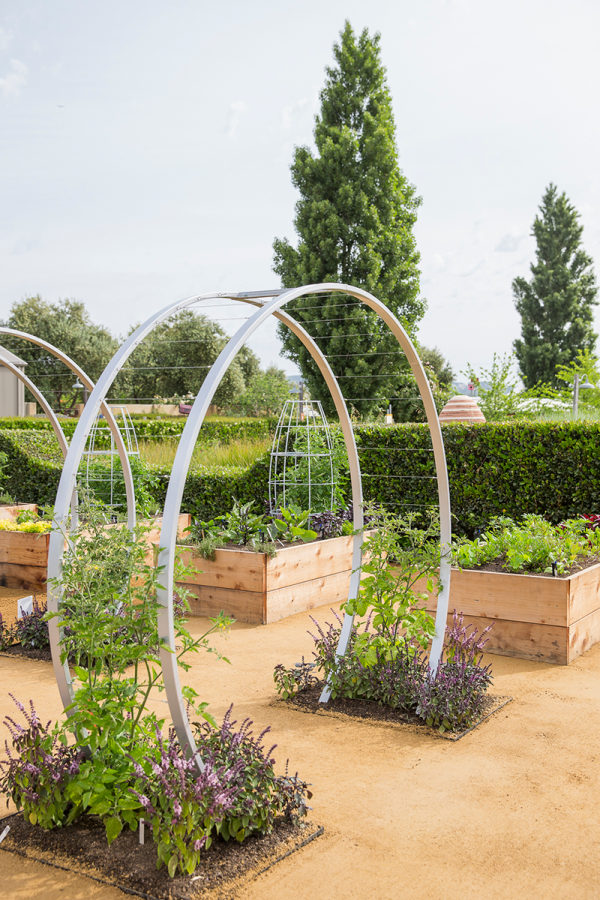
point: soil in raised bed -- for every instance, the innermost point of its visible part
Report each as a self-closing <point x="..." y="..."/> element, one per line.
<point x="497" y="565"/>
<point x="308" y="701"/>
<point x="129" y="865"/>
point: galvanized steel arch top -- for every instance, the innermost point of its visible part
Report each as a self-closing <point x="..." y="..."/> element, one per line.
<point x="268" y="303"/>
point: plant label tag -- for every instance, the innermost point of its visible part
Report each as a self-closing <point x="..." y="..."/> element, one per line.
<point x="25" y="606"/>
<point x="4" y="833"/>
<point x="141" y="831"/>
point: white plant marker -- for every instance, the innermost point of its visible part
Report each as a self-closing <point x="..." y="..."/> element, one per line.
<point x="141" y="831"/>
<point x="4" y="833"/>
<point x="25" y="606"/>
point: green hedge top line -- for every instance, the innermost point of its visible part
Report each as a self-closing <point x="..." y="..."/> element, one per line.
<point x="212" y="431"/>
<point x="550" y="468"/>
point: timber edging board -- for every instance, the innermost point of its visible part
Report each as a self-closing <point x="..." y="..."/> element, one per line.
<point x="24" y="555"/>
<point x="253" y="588"/>
<point x="535" y="617"/>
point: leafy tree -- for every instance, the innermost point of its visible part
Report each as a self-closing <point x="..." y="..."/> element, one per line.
<point x="556" y="305"/>
<point x="265" y="394"/>
<point x="354" y="220"/>
<point x="175" y="358"/>
<point x="434" y="361"/>
<point x="584" y="364"/>
<point x="499" y="399"/>
<point x="68" y="326"/>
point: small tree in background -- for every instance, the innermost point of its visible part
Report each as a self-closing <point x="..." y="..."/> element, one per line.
<point x="68" y="326"/>
<point x="176" y="357"/>
<point x="265" y="394"/>
<point x="355" y="220"/>
<point x="556" y="306"/>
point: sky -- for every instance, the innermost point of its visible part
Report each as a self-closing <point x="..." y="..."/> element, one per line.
<point x="145" y="147"/>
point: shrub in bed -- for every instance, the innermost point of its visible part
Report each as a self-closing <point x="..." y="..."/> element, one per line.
<point x="108" y="758"/>
<point x="386" y="659"/>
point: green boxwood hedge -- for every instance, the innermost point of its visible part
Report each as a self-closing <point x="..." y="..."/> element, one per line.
<point x="500" y="468"/>
<point x="512" y="468"/>
<point x="34" y="465"/>
<point x="213" y="431"/>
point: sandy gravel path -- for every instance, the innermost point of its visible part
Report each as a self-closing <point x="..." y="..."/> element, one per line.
<point x="510" y="811"/>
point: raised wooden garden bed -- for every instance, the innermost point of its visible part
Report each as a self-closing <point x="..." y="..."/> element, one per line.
<point x="12" y="511"/>
<point x="23" y="560"/>
<point x="536" y="617"/>
<point x="253" y="588"/>
<point x="24" y="556"/>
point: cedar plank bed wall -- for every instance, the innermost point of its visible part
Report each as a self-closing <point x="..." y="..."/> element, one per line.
<point x="535" y="617"/>
<point x="24" y="556"/>
<point x="253" y="588"/>
<point x="24" y="560"/>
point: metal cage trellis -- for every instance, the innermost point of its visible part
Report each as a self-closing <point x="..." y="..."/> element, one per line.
<point x="104" y="481"/>
<point x="301" y="464"/>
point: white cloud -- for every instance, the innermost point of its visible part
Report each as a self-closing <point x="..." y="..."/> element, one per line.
<point x="510" y="242"/>
<point x="25" y="245"/>
<point x="234" y="114"/>
<point x="15" y="79"/>
<point x="5" y="39"/>
<point x="289" y="112"/>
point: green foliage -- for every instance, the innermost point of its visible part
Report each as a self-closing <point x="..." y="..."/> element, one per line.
<point x="244" y="527"/>
<point x="316" y="478"/>
<point x="397" y="556"/>
<point x="556" y="306"/>
<point x="174" y="359"/>
<point x="584" y="364"/>
<point x="355" y="220"/>
<point x="292" y="681"/>
<point x="499" y="400"/>
<point x="512" y="468"/>
<point x="265" y="394"/>
<point x="213" y="431"/>
<point x="533" y="545"/>
<point x="434" y="362"/>
<point x="66" y="325"/>
<point x="291" y="526"/>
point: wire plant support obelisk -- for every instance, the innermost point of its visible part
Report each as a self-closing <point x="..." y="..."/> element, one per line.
<point x="301" y="465"/>
<point x="106" y="482"/>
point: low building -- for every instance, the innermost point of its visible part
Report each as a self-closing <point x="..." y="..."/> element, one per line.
<point x="12" y="391"/>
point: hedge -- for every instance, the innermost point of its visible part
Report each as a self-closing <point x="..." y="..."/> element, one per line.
<point x="512" y="468"/>
<point x="550" y="468"/>
<point x="34" y="465"/>
<point x="213" y="430"/>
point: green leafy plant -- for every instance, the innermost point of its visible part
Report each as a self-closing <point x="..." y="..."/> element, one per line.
<point x="401" y="565"/>
<point x="295" y="680"/>
<point x="291" y="525"/>
<point x="532" y="545"/>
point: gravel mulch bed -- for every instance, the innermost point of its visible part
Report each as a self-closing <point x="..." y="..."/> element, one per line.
<point x="376" y="713"/>
<point x="82" y="848"/>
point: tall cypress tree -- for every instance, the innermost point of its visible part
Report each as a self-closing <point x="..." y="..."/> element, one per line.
<point x="354" y="220"/>
<point x="556" y="305"/>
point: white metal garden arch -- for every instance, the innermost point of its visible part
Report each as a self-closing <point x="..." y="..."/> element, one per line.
<point x="268" y="303"/>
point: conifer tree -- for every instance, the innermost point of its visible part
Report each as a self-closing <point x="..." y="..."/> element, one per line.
<point x="556" y="306"/>
<point x="354" y="220"/>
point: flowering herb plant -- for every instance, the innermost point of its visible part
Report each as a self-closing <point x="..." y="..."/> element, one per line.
<point x="108" y="757"/>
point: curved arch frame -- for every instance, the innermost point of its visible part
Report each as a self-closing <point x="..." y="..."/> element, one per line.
<point x="61" y="671"/>
<point x="274" y="301"/>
